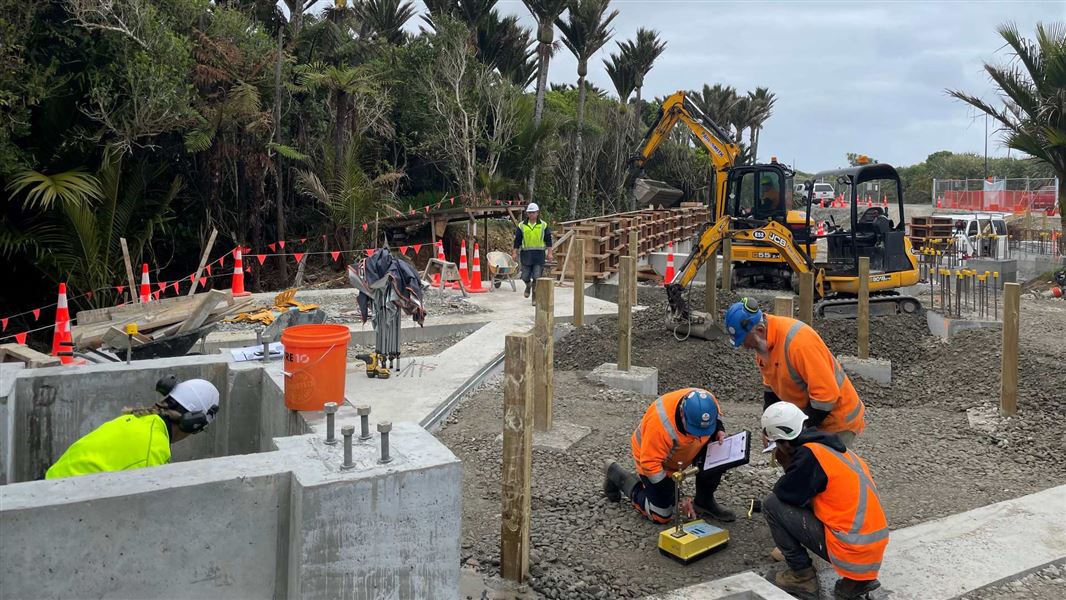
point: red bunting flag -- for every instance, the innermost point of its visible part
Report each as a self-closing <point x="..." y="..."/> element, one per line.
<point x="246" y="250"/>
<point x="208" y="269"/>
<point x="162" y="285"/>
<point x="427" y="209"/>
<point x="36" y="314"/>
<point x="271" y="246"/>
<point x="303" y="240"/>
<point x="4" y="323"/>
<point x="452" y="200"/>
<point x="281" y="244"/>
<point x="403" y="250"/>
<point x="298" y="256"/>
<point x="417" y="248"/>
<point x="176" y="289"/>
<point x="203" y="281"/>
<point x="261" y="257"/>
<point x="336" y="254"/>
<point x="509" y="202"/>
<point x="222" y="259"/>
<point x="364" y="226"/>
<point x="369" y="252"/>
<point x="89" y="295"/>
<point x="323" y="237"/>
<point x="21" y="337"/>
<point x="192" y="277"/>
<point x="156" y="294"/>
<point x="120" y="289"/>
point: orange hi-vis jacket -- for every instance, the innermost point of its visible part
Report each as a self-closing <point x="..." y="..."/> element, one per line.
<point x="800" y="369"/>
<point x="856" y="529"/>
<point x="659" y="448"/>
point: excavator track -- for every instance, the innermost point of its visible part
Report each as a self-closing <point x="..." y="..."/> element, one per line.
<point x="880" y="305"/>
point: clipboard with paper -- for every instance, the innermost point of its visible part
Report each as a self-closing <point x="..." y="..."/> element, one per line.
<point x="735" y="450"/>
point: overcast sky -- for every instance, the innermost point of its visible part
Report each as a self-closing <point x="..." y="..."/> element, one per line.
<point x="849" y="76"/>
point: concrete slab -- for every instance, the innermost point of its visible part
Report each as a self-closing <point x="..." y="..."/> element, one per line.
<point x="872" y="369"/>
<point x="946" y="327"/>
<point x="742" y="586"/>
<point x="559" y="438"/>
<point x="642" y="380"/>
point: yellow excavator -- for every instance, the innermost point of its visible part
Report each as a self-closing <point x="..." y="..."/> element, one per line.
<point x="760" y="191"/>
<point x="893" y="263"/>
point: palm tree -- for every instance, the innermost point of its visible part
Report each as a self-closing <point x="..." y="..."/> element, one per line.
<point x="505" y="45"/>
<point x="1033" y="89"/>
<point x="342" y="82"/>
<point x="717" y="102"/>
<point x="385" y="18"/>
<point x="545" y="12"/>
<point x="586" y="30"/>
<point x="642" y="53"/>
<point x="622" y="75"/>
<point x="762" y="100"/>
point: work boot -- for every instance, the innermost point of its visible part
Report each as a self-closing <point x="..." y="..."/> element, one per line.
<point x="526" y="293"/>
<point x="715" y="511"/>
<point x="851" y="589"/>
<point x="618" y="483"/>
<point x="776" y="555"/>
<point x="803" y="582"/>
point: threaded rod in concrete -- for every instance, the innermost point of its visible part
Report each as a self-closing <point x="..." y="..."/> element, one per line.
<point x="331" y="411"/>
<point x="347" y="431"/>
<point x="364" y="422"/>
<point x="384" y="428"/>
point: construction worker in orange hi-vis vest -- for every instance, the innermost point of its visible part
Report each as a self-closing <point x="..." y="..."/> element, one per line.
<point x="673" y="434"/>
<point x="826" y="502"/>
<point x="799" y="368"/>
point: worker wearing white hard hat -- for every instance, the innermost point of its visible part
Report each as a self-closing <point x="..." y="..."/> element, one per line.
<point x="533" y="239"/>
<point x="142" y="437"/>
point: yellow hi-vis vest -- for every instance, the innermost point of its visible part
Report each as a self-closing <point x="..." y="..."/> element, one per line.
<point x="533" y="235"/>
<point x="128" y="442"/>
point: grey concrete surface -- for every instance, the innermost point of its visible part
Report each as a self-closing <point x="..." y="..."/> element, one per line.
<point x="1007" y="269"/>
<point x="946" y="327"/>
<point x="642" y="380"/>
<point x="874" y="369"/>
<point x="559" y="438"/>
<point x="742" y="586"/>
<point x="1031" y="265"/>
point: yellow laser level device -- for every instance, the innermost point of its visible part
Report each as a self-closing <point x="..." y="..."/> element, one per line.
<point x="691" y="541"/>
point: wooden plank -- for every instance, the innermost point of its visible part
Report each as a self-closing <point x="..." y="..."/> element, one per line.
<point x="203" y="310"/>
<point x="515" y="475"/>
<point x="543" y="360"/>
<point x="806" y="309"/>
<point x="625" y="313"/>
<point x="727" y="265"/>
<point x="148" y="317"/>
<point x="634" y="251"/>
<point x="864" y="307"/>
<point x="24" y="354"/>
<point x="783" y="306"/>
<point x="1008" y="379"/>
<point x="129" y="268"/>
<point x="203" y="260"/>
<point x="579" y="283"/>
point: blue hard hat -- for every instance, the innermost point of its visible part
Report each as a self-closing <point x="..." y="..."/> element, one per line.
<point x="741" y="318"/>
<point x="701" y="413"/>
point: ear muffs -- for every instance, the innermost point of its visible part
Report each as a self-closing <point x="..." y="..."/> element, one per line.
<point x="195" y="422"/>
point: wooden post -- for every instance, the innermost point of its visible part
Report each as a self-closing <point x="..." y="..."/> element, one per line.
<point x="1008" y="383"/>
<point x="634" y="251"/>
<point x="627" y="270"/>
<point x="783" y="306"/>
<point x="517" y="456"/>
<point x="864" y="307"/>
<point x="203" y="260"/>
<point x="129" y="268"/>
<point x="543" y="360"/>
<point x="710" y="288"/>
<point x="806" y="313"/>
<point x="578" y="248"/>
<point x="727" y="265"/>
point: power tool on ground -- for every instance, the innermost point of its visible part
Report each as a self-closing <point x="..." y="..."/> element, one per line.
<point x="375" y="365"/>
<point x="687" y="542"/>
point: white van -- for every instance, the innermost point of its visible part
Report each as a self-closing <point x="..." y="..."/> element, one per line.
<point x="981" y="235"/>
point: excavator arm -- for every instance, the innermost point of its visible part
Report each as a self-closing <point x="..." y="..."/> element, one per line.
<point x="718" y="142"/>
<point x="771" y="233"/>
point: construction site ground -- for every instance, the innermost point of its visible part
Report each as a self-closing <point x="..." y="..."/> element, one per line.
<point x="927" y="458"/>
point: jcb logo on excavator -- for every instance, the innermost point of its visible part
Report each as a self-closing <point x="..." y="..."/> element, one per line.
<point x="758" y="235"/>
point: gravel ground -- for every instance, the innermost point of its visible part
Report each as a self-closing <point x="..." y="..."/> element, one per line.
<point x="1048" y="583"/>
<point x="926" y="459"/>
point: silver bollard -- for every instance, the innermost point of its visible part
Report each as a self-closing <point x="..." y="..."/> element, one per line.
<point x="384" y="428"/>
<point x="331" y="411"/>
<point x="347" y="431"/>
<point x="364" y="422"/>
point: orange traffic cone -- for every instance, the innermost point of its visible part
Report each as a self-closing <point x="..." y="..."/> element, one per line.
<point x="238" y="275"/>
<point x="61" y="342"/>
<point x="938" y="199"/>
<point x="475" y="275"/>
<point x="440" y="256"/>
<point x="464" y="273"/>
<point x="821" y="229"/>
<point x="884" y="202"/>
<point x="146" y="287"/>
<point x="669" y="277"/>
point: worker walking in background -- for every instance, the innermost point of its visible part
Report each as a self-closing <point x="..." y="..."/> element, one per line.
<point x="672" y="435"/>
<point x="844" y="523"/>
<point x="798" y="367"/>
<point x="534" y="239"/>
<point x="142" y="437"/>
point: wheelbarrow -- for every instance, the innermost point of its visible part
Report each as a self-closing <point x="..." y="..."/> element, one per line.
<point x="502" y="268"/>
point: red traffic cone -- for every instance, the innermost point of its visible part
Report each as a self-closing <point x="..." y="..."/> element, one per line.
<point x="464" y="272"/>
<point x="669" y="277"/>
<point x="440" y="256"/>
<point x="938" y="200"/>
<point x="61" y="342"/>
<point x="146" y="287"/>
<point x="475" y="275"/>
<point x="884" y="202"/>
<point x="821" y="229"/>
<point x="238" y="275"/>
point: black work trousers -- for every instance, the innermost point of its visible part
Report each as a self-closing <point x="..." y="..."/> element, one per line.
<point x="656" y="500"/>
<point x="795" y="530"/>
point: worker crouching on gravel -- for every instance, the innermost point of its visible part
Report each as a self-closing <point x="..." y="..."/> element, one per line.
<point x="534" y="239"/>
<point x="672" y="435"/>
<point x="844" y="523"/>
<point x="142" y="436"/>
<point x="798" y="367"/>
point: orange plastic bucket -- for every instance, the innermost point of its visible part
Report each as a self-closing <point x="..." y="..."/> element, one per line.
<point x="315" y="360"/>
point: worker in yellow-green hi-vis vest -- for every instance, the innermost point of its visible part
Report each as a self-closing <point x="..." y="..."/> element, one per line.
<point x="534" y="239"/>
<point x="142" y="436"/>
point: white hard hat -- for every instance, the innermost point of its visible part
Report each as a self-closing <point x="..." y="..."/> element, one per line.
<point x="532" y="207"/>
<point x="197" y="395"/>
<point x="782" y="421"/>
